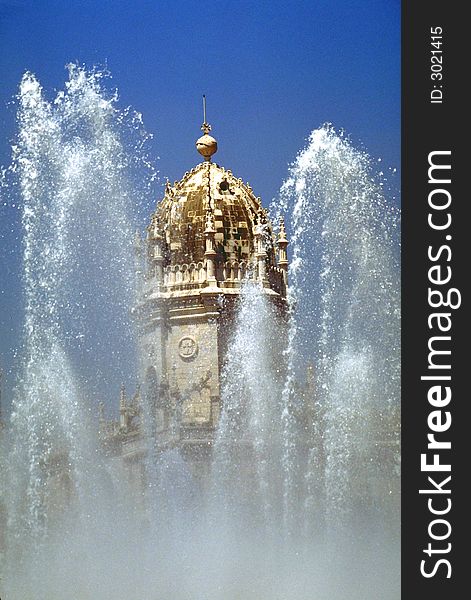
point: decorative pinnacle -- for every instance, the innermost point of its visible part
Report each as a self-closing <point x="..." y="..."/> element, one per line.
<point x="258" y="229"/>
<point x="261" y="217"/>
<point x="282" y="232"/>
<point x="206" y="145"/>
<point x="156" y="226"/>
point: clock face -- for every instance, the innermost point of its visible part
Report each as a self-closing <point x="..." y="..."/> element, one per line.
<point x="187" y="347"/>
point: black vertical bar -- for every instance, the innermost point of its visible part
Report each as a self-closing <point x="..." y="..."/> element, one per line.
<point x="433" y="120"/>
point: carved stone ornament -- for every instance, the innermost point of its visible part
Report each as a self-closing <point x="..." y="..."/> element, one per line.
<point x="187" y="347"/>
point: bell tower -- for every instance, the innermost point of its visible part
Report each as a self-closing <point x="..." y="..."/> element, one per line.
<point x="208" y="235"/>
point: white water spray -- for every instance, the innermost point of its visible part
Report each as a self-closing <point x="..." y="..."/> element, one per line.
<point x="249" y="431"/>
<point x="344" y="280"/>
<point x="71" y="169"/>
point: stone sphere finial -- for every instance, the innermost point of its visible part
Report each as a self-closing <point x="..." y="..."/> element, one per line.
<point x="206" y="146"/>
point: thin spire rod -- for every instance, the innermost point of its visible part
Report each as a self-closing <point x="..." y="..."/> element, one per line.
<point x="206" y="127"/>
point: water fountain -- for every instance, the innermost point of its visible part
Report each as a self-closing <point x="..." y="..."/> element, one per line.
<point x="344" y="282"/>
<point x="300" y="489"/>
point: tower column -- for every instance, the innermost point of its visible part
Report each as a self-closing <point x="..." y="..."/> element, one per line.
<point x="282" y="246"/>
<point x="210" y="253"/>
<point x="260" y="251"/>
<point x="156" y="256"/>
<point x="138" y="259"/>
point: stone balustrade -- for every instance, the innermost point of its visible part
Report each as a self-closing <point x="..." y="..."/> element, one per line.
<point x="185" y="276"/>
<point x="229" y="274"/>
<point x="232" y="273"/>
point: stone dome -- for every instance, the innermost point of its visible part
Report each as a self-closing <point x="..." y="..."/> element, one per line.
<point x="181" y="217"/>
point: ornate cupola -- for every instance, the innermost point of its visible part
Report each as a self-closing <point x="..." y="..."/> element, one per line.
<point x="207" y="236"/>
<point x="211" y="230"/>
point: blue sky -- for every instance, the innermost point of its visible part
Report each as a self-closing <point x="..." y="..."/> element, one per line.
<point x="272" y="72"/>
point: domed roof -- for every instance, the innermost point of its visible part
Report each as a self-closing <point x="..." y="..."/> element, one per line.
<point x="235" y="211"/>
